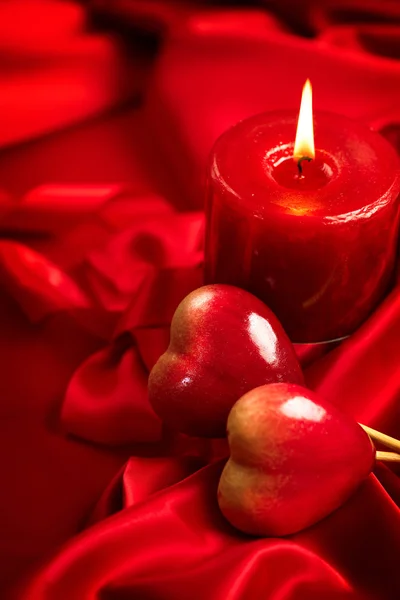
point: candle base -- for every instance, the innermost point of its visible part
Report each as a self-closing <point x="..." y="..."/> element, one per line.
<point x="309" y="352"/>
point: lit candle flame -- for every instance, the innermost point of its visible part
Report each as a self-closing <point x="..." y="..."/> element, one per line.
<point x="304" y="145"/>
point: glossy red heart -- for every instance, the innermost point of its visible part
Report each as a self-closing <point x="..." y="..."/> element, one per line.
<point x="224" y="342"/>
<point x="294" y="459"/>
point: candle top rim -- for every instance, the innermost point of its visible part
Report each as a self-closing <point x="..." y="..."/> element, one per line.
<point x="366" y="167"/>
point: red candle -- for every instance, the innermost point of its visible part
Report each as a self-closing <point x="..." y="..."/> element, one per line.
<point x="313" y="234"/>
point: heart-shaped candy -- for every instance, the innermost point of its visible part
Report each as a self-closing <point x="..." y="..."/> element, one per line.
<point x="294" y="459"/>
<point x="224" y="342"/>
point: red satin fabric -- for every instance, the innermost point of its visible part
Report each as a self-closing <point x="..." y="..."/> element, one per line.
<point x="98" y="499"/>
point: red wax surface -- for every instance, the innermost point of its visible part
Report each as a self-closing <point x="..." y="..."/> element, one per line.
<point x="319" y="249"/>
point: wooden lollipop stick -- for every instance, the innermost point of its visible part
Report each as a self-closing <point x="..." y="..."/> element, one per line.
<point x="382" y="438"/>
<point x="387" y="456"/>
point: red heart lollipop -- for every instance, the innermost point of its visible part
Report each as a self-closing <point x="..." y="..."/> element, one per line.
<point x="224" y="342"/>
<point x="294" y="459"/>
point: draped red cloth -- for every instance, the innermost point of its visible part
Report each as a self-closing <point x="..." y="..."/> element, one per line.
<point x="108" y="110"/>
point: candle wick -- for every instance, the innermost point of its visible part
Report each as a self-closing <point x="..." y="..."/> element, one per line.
<point x="299" y="166"/>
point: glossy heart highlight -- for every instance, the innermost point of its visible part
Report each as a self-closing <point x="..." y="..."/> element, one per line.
<point x="224" y="342"/>
<point x="294" y="459"/>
